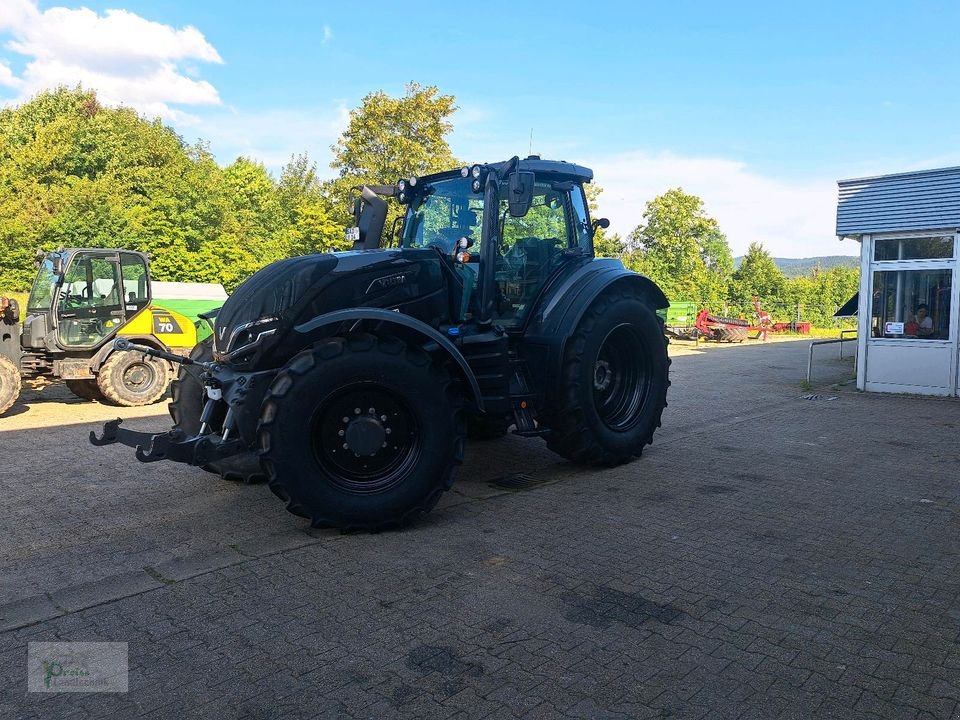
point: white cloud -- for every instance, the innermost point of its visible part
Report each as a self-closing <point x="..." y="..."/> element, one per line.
<point x="790" y="218"/>
<point x="126" y="58"/>
<point x="272" y="136"/>
<point x="7" y="78"/>
<point x="327" y="35"/>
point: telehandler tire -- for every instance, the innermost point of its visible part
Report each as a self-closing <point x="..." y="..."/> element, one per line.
<point x="186" y="407"/>
<point x="362" y="432"/>
<point x="85" y="389"/>
<point x="614" y="383"/>
<point x="9" y="384"/>
<point x="130" y="379"/>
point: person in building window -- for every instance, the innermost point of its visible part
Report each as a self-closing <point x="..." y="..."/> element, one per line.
<point x="924" y="321"/>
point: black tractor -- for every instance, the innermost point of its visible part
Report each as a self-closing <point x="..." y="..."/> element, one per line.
<point x="350" y="381"/>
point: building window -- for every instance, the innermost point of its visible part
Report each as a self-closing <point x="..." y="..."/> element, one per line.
<point x="911" y="304"/>
<point x="914" y="248"/>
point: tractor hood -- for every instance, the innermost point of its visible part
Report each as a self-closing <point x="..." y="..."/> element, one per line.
<point x="293" y="291"/>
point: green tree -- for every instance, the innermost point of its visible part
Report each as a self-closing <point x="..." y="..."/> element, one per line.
<point x="388" y="139"/>
<point x="682" y="248"/>
<point x="758" y="275"/>
<point x="74" y="173"/>
<point x="605" y="244"/>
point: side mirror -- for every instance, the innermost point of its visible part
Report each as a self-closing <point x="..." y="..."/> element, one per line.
<point x="370" y="220"/>
<point x="520" y="193"/>
<point x="600" y="223"/>
<point x="58" y="265"/>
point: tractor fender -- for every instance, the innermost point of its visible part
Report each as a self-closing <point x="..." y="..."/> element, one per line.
<point x="400" y="320"/>
<point x="97" y="361"/>
<point x="561" y="310"/>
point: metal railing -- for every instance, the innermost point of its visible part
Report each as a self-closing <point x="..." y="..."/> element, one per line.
<point x="840" y="340"/>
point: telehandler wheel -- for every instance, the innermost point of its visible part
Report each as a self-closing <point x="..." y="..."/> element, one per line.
<point x="9" y="384"/>
<point x="130" y="379"/>
<point x="614" y="383"/>
<point x="85" y="389"/>
<point x="362" y="432"/>
<point x="186" y="407"/>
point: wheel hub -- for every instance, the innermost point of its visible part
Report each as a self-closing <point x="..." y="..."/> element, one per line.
<point x="602" y="375"/>
<point x="137" y="377"/>
<point x="364" y="435"/>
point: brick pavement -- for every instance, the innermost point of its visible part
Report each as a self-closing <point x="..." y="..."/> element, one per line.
<point x="768" y="557"/>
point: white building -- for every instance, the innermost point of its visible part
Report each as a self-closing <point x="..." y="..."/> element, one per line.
<point x="908" y="227"/>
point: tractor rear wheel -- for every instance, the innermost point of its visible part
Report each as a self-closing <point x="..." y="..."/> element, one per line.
<point x="362" y="432"/>
<point x="130" y="379"/>
<point x="9" y="384"/>
<point x="186" y="408"/>
<point x="614" y="383"/>
<point x="85" y="389"/>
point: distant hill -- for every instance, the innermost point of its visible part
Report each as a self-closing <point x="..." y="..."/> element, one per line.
<point x="798" y="267"/>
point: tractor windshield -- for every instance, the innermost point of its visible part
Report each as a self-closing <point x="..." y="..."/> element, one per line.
<point x="447" y="211"/>
<point x="43" y="287"/>
<point x="530" y="248"/>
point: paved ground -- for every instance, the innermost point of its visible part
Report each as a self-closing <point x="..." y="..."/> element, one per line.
<point x="769" y="556"/>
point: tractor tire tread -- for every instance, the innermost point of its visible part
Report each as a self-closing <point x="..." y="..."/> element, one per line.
<point x="570" y="434"/>
<point x="329" y="349"/>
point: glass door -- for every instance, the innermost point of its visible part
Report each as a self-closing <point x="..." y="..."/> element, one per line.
<point x="90" y="307"/>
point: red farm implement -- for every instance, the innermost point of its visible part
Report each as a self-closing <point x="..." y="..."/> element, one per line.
<point x="728" y="329"/>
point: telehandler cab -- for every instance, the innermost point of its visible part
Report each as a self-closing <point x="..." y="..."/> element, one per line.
<point x="81" y="300"/>
<point x="349" y="380"/>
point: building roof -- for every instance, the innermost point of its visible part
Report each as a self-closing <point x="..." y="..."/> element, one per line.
<point x="910" y="201"/>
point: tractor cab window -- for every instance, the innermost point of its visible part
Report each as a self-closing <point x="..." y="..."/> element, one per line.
<point x="439" y="218"/>
<point x="89" y="308"/>
<point x="133" y="270"/>
<point x="531" y="248"/>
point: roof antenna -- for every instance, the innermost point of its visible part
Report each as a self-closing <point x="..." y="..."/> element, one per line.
<point x="530" y="150"/>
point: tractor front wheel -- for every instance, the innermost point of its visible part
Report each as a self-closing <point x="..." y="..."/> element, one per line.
<point x="362" y="432"/>
<point x="130" y="379"/>
<point x="614" y="383"/>
<point x="9" y="384"/>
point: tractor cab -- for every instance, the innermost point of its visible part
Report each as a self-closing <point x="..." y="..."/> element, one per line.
<point x="81" y="298"/>
<point x="506" y="237"/>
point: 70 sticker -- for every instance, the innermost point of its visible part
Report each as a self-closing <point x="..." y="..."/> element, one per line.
<point x="164" y="324"/>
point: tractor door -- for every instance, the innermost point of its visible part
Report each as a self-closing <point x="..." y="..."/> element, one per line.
<point x="533" y="246"/>
<point x="90" y="303"/>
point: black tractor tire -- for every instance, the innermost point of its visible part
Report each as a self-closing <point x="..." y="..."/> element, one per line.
<point x="131" y="379"/>
<point x="9" y="384"/>
<point x="486" y="428"/>
<point x="362" y="432"/>
<point x="85" y="389"/>
<point x="186" y="408"/>
<point x="614" y="383"/>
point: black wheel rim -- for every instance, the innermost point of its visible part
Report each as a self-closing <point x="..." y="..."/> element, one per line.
<point x="140" y="377"/>
<point x="365" y="438"/>
<point x="621" y="378"/>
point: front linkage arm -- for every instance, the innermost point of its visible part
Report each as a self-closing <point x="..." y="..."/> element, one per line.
<point x="173" y="445"/>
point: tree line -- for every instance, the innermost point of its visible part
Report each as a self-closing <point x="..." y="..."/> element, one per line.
<point x="75" y="173"/>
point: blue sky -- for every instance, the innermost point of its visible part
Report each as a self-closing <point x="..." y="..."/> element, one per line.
<point x="757" y="108"/>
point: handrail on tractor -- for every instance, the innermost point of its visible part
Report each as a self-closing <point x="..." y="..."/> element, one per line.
<point x="841" y="339"/>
